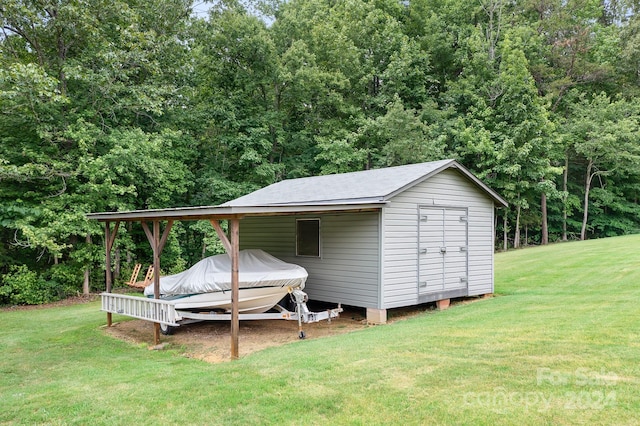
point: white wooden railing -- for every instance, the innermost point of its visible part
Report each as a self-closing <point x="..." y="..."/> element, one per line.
<point x="156" y="310"/>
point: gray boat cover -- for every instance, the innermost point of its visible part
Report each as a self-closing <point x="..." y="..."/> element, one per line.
<point x="256" y="269"/>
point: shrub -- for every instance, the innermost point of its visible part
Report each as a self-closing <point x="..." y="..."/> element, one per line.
<point x="65" y="279"/>
<point x="21" y="286"/>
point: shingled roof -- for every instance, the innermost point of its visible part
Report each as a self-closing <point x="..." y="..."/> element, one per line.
<point x="368" y="186"/>
<point x="369" y="189"/>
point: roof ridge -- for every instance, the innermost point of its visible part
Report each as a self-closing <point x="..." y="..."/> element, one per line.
<point x="360" y="185"/>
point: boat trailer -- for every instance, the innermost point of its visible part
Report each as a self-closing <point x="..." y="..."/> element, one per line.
<point x="165" y="313"/>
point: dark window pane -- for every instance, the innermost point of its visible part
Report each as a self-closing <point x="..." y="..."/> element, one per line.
<point x="308" y="237"/>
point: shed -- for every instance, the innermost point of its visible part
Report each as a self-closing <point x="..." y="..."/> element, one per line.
<point x="425" y="233"/>
<point x="376" y="239"/>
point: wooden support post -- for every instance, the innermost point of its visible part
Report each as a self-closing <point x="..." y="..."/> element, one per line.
<point x="234" y="225"/>
<point x="156" y="275"/>
<point x="107" y="270"/>
<point x="109" y="239"/>
<point x="157" y="245"/>
<point x="233" y="249"/>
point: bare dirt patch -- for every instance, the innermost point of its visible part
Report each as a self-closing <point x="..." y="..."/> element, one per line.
<point x="210" y="341"/>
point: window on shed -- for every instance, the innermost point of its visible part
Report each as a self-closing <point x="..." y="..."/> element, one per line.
<point x="308" y="237"/>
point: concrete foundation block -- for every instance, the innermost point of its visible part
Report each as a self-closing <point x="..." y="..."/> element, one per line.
<point x="376" y="316"/>
<point x="443" y="304"/>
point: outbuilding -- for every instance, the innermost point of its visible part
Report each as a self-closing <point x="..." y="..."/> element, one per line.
<point x="376" y="239"/>
<point x="382" y="238"/>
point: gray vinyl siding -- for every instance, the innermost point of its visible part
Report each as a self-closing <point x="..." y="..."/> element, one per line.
<point x="400" y="235"/>
<point x="370" y="259"/>
<point x="348" y="270"/>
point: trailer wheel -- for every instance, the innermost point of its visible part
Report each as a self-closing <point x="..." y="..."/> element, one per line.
<point x="167" y="330"/>
<point x="302" y="335"/>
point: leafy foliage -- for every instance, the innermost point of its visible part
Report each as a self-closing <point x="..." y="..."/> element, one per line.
<point x="104" y="106"/>
<point x="22" y="286"/>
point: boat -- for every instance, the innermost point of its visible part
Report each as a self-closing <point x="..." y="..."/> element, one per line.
<point x="255" y="300"/>
<point x="264" y="280"/>
<point x="203" y="293"/>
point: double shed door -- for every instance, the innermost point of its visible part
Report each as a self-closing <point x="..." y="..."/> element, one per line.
<point x="443" y="244"/>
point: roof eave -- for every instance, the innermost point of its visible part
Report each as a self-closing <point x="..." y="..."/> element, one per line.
<point x="218" y="212"/>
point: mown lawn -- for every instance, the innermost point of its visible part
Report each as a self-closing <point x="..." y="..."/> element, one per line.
<point x="559" y="344"/>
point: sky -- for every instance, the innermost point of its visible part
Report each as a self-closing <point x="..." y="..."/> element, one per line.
<point x="201" y="8"/>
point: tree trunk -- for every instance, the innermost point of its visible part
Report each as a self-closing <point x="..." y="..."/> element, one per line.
<point x="495" y="230"/>
<point x="587" y="187"/>
<point x="565" y="196"/>
<point x="118" y="265"/>
<point x="493" y="9"/>
<point x="545" y="227"/>
<point x="85" y="284"/>
<point x="87" y="273"/>
<point x="516" y="235"/>
<point x="505" y="245"/>
<point x="129" y="256"/>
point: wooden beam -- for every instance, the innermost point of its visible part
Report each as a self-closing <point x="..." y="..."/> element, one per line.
<point x="222" y="236"/>
<point x="234" y="225"/>
<point x="151" y="236"/>
<point x="111" y="236"/>
<point x="109" y="239"/>
<point x="165" y="235"/>
<point x="147" y="232"/>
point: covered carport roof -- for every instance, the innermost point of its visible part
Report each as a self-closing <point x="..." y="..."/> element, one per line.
<point x="233" y="214"/>
<point x="227" y="212"/>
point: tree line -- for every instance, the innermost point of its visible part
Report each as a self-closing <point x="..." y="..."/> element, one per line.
<point x="122" y="105"/>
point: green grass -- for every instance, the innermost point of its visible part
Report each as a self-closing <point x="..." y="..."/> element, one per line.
<point x="560" y="344"/>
